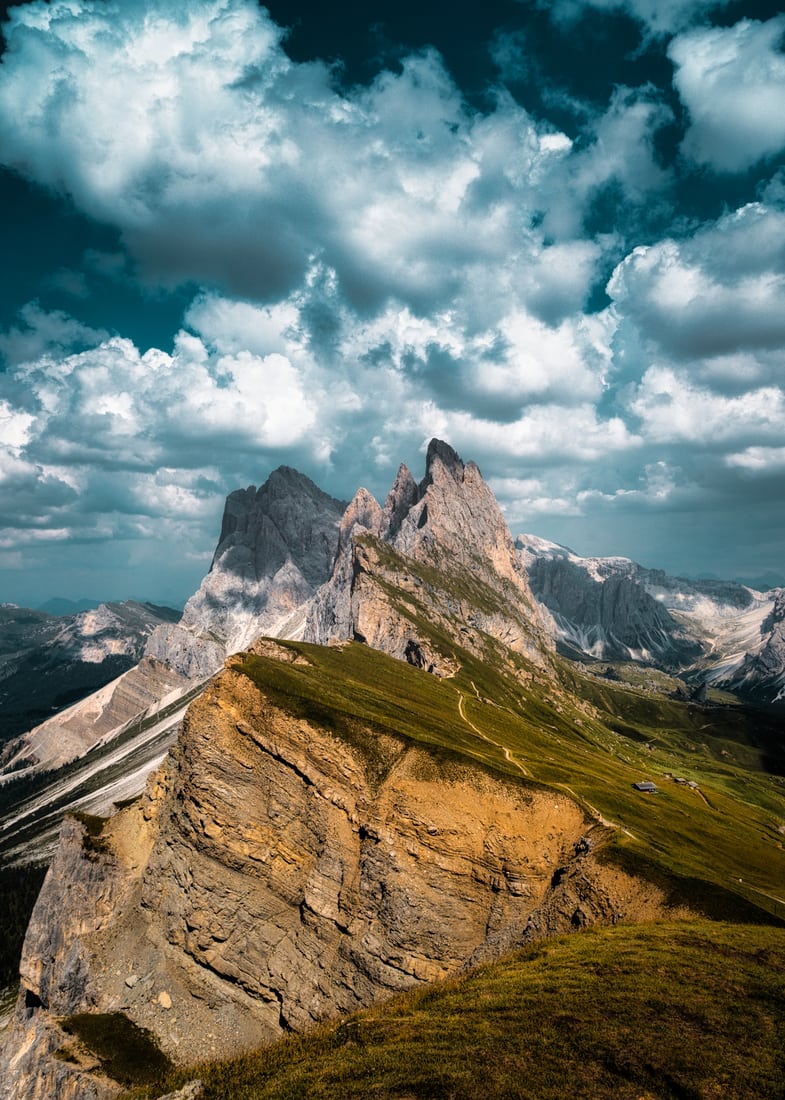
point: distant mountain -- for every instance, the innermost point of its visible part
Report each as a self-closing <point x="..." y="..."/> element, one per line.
<point x="48" y="662"/>
<point x="58" y="605"/>
<point x="718" y="632"/>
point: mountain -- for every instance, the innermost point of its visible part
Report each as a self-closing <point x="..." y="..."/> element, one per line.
<point x="58" y="605"/>
<point x="716" y="632"/>
<point x="276" y="546"/>
<point x="437" y="559"/>
<point x="48" y="662"/>
<point x="413" y="784"/>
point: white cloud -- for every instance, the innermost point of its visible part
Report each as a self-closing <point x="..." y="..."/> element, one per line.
<point x="224" y="163"/>
<point x="715" y="294"/>
<point x="660" y="17"/>
<point x="623" y="147"/>
<point x="543" y="434"/>
<point x="45" y="332"/>
<point x="117" y="407"/>
<point x="732" y="81"/>
<point x="673" y="409"/>
<point x="759" y="459"/>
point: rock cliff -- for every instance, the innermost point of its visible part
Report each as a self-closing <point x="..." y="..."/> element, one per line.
<point x="286" y="866"/>
<point x="277" y="546"/>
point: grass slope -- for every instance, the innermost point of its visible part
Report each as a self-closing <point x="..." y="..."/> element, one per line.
<point x="688" y="1011"/>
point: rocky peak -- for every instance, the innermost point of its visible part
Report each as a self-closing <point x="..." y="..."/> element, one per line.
<point x="283" y="519"/>
<point x="441" y="460"/>
<point x="400" y="500"/>
<point x="450" y="521"/>
<point x="363" y="511"/>
<point x="457" y="514"/>
<point x="278" y="544"/>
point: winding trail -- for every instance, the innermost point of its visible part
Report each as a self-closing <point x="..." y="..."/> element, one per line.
<point x="508" y="756"/>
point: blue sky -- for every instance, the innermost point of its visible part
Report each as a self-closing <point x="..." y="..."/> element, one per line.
<point x="235" y="236"/>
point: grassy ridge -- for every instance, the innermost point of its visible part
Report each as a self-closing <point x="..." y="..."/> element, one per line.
<point x="726" y="834"/>
<point x="688" y="1011"/>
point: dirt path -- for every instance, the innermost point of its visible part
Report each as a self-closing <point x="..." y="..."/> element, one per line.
<point x="594" y="811"/>
<point x="508" y="756"/>
<point x="601" y="820"/>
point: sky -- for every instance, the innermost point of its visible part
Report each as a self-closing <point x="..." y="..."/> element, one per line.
<point x="235" y="236"/>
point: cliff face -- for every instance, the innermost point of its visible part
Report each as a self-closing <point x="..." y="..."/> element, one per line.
<point x="280" y="871"/>
<point x="277" y="545"/>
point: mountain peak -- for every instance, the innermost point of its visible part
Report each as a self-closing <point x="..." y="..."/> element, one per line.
<point x="442" y="454"/>
<point x="400" y="501"/>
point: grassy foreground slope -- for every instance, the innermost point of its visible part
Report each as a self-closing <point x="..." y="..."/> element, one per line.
<point x="689" y="1011"/>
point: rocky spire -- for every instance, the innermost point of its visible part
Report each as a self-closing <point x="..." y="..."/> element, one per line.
<point x="400" y="500"/>
<point x="441" y="456"/>
<point x="456" y="513"/>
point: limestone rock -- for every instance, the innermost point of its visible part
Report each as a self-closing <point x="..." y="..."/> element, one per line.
<point x="277" y="545"/>
<point x="106" y="712"/>
<point x="400" y="500"/>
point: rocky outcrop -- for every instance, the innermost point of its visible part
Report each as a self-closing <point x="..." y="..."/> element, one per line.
<point x="277" y="546"/>
<point x="603" y="608"/>
<point x="278" y="872"/>
<point x="438" y="553"/>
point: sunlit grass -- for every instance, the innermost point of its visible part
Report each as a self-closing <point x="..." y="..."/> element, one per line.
<point x="692" y="1010"/>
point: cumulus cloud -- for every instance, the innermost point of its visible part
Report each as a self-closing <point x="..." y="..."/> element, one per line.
<point x="732" y="82"/>
<point x="713" y="294"/>
<point x="672" y="409"/>
<point x="224" y="163"/>
<point x="372" y="267"/>
<point x="40" y="332"/>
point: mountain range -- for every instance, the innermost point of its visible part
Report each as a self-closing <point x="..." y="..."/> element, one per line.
<point x="384" y="743"/>
<point x="719" y="633"/>
<point x="50" y="660"/>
